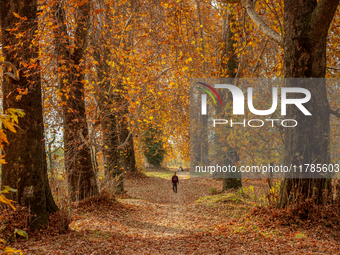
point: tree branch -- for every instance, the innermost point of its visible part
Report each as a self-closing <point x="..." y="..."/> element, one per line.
<point x="14" y="75"/>
<point x="335" y="113"/>
<point x="128" y="23"/>
<point x="331" y="68"/>
<point x="259" y="58"/>
<point x="269" y="32"/>
<point x="322" y="17"/>
<point x="244" y="32"/>
<point x="126" y="141"/>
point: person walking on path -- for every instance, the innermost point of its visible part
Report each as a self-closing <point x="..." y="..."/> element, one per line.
<point x="174" y="181"/>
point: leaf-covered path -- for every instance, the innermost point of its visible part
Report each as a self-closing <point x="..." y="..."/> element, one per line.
<point x="153" y="220"/>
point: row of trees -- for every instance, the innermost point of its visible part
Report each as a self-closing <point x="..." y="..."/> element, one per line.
<point x="26" y="169"/>
<point x="301" y="30"/>
<point x="53" y="60"/>
<point x="304" y="42"/>
<point x="113" y="78"/>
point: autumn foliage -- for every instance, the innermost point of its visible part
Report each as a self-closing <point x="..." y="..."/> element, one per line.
<point x="103" y="87"/>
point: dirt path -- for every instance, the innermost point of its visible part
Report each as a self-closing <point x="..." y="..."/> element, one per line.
<point x="163" y="213"/>
<point x="153" y="220"/>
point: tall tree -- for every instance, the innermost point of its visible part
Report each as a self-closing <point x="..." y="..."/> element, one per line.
<point x="306" y="25"/>
<point x="306" y="28"/>
<point x="204" y="140"/>
<point x="26" y="169"/>
<point x="81" y="177"/>
<point x="229" y="64"/>
<point x="126" y="139"/>
<point x="110" y="47"/>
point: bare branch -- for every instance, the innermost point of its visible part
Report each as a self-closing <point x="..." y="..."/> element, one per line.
<point x="128" y="22"/>
<point x="97" y="146"/>
<point x="126" y="141"/>
<point x="269" y="32"/>
<point x="161" y="74"/>
<point x="331" y="68"/>
<point x="51" y="142"/>
<point x="335" y="113"/>
<point x="250" y="7"/>
<point x="259" y="58"/>
<point x="13" y="75"/>
<point x="244" y="32"/>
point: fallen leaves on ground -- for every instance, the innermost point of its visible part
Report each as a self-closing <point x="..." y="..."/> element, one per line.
<point x="154" y="220"/>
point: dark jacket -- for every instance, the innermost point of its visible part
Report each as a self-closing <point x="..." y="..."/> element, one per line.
<point x="175" y="179"/>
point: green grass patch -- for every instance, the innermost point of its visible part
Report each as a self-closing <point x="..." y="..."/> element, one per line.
<point x="300" y="235"/>
<point x="213" y="191"/>
<point x="241" y="230"/>
<point x="100" y="234"/>
<point x="223" y="198"/>
<point x="166" y="175"/>
<point x="163" y="175"/>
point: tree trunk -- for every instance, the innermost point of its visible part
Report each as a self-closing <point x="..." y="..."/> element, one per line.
<point x="306" y="25"/>
<point x="128" y="150"/>
<point x="119" y="154"/>
<point x="229" y="65"/>
<point x="81" y="177"/>
<point x="26" y="169"/>
<point x="306" y="28"/>
<point x="204" y="143"/>
<point x="109" y="114"/>
<point x="130" y="164"/>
